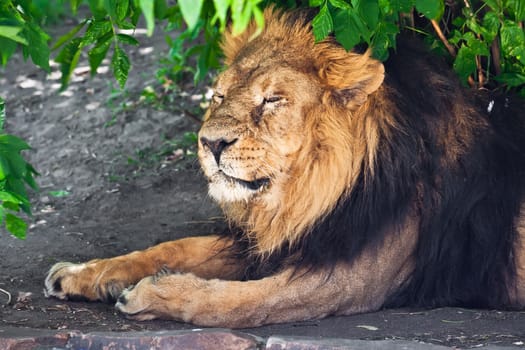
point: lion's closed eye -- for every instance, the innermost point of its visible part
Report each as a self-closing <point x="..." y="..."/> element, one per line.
<point x="217" y="97"/>
<point x="272" y="99"/>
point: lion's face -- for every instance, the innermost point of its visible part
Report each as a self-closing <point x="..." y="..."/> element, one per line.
<point x="253" y="129"/>
<point x="287" y="133"/>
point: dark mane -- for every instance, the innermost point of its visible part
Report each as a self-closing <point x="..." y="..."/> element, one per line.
<point x="466" y="193"/>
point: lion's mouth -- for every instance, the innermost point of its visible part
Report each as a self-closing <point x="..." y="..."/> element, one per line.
<point x="253" y="185"/>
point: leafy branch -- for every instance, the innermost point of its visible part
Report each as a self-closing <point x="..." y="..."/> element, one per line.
<point x="15" y="174"/>
<point x="483" y="38"/>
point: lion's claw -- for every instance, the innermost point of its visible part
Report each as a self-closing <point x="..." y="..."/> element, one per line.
<point x="131" y="303"/>
<point x="81" y="282"/>
<point x="54" y="283"/>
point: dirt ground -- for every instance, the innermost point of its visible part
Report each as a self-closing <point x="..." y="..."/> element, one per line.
<point x="103" y="147"/>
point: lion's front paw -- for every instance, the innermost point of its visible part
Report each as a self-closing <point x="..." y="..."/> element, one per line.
<point x="161" y="296"/>
<point x="88" y="281"/>
<point x="138" y="302"/>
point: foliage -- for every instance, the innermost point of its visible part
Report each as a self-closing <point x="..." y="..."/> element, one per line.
<point x="19" y="26"/>
<point x="50" y="11"/>
<point x="372" y="22"/>
<point x="15" y="174"/>
<point x="484" y="38"/>
<point x="490" y="40"/>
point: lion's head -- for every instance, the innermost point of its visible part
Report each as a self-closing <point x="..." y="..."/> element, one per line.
<point x="287" y="131"/>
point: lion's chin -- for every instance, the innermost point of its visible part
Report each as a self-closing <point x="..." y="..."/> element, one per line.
<point x="225" y="188"/>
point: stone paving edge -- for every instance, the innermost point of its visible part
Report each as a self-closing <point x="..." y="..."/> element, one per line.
<point x="197" y="339"/>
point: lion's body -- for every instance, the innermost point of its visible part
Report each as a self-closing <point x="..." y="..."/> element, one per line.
<point x="349" y="186"/>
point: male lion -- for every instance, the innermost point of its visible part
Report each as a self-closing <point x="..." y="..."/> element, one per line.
<point x="350" y="185"/>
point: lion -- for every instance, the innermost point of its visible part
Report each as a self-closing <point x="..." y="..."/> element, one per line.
<point x="349" y="185"/>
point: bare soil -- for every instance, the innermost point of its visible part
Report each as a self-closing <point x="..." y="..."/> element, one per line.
<point x="103" y="147"/>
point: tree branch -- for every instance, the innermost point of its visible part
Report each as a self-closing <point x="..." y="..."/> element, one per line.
<point x="443" y="39"/>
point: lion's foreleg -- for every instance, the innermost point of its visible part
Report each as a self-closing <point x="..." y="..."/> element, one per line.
<point x="104" y="279"/>
<point x="219" y="303"/>
<point x="361" y="286"/>
<point x="276" y="299"/>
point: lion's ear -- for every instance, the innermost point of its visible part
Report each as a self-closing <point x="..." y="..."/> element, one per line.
<point x="349" y="77"/>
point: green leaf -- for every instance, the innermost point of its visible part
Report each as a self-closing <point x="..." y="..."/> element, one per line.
<point x="12" y="143"/>
<point x="122" y="7"/>
<point x="202" y="64"/>
<point x="59" y="194"/>
<point x="221" y="11"/>
<point x="126" y="25"/>
<point x="383" y="40"/>
<point x="322" y="24"/>
<point x="161" y="9"/>
<point x="16" y="226"/>
<point x="403" y="6"/>
<point x="96" y="30"/>
<point x="17" y="186"/>
<point x="191" y="10"/>
<point x="511" y="79"/>
<point x="74" y="5"/>
<point x="8" y="197"/>
<point x="11" y="206"/>
<point x="369" y="11"/>
<point x="8" y="48"/>
<point x="519" y="53"/>
<point x="4" y="169"/>
<point x="68" y="59"/>
<point x="148" y="9"/>
<point x="117" y="9"/>
<point x="316" y="3"/>
<point x="11" y="33"/>
<point x="473" y="25"/>
<point x="69" y="35"/>
<point x="127" y="39"/>
<point x="120" y="65"/>
<point x="38" y="49"/>
<point x="455" y="37"/>
<point x="258" y="16"/>
<point x="513" y="40"/>
<point x="465" y="62"/>
<point x="432" y="9"/>
<point x="491" y="26"/>
<point x="386" y="7"/>
<point x="495" y="5"/>
<point x="346" y="28"/>
<point x="97" y="54"/>
<point x="477" y="46"/>
<point x="29" y="179"/>
<point x="518" y="8"/>
<point x="97" y="9"/>
<point x="17" y="164"/>
<point x="242" y="12"/>
<point x="341" y="4"/>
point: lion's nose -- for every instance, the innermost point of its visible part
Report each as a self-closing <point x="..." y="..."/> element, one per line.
<point x="216" y="147"/>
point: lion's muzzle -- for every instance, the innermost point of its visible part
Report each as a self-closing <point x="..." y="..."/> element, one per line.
<point x="216" y="147"/>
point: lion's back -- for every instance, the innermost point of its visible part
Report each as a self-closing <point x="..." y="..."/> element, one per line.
<point x="472" y="180"/>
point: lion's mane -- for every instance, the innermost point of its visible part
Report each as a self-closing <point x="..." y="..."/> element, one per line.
<point x="420" y="144"/>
